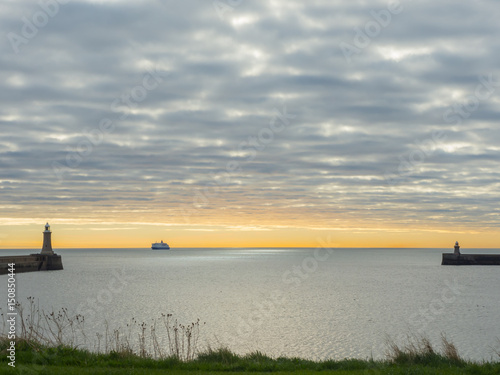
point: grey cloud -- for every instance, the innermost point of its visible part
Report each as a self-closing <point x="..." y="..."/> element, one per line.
<point x="354" y="122"/>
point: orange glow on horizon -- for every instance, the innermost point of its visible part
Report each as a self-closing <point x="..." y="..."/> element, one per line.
<point x="29" y="236"/>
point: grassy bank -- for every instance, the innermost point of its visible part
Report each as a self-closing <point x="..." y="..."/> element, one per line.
<point x="414" y="358"/>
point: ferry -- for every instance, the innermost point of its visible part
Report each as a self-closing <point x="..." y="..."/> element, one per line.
<point x="160" y="246"/>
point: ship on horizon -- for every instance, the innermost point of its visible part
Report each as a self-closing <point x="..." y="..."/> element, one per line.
<point x="160" y="246"/>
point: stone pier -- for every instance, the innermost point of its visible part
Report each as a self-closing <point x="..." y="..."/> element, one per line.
<point x="47" y="260"/>
<point x="458" y="259"/>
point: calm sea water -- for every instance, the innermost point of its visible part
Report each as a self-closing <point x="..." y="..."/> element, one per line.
<point x="294" y="302"/>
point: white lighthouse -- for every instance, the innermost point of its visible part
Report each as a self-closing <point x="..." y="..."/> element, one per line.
<point x="47" y="241"/>
<point x="457" y="248"/>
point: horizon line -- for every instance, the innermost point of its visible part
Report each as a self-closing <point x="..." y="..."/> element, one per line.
<point x="248" y="247"/>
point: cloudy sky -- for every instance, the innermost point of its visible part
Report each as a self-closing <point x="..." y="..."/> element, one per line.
<point x="250" y="123"/>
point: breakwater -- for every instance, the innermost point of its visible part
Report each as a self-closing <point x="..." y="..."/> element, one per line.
<point x="458" y="259"/>
<point x="451" y="259"/>
<point x="31" y="263"/>
<point x="47" y="260"/>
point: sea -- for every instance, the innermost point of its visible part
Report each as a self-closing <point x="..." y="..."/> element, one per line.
<point x="313" y="303"/>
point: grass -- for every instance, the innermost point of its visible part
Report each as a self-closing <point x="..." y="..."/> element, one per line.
<point x="159" y="338"/>
<point x="416" y="357"/>
<point x="103" y="371"/>
<point x="48" y="344"/>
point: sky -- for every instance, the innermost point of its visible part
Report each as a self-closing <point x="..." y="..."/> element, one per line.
<point x="250" y="123"/>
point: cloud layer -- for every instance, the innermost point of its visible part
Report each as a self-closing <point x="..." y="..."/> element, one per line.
<point x="318" y="113"/>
